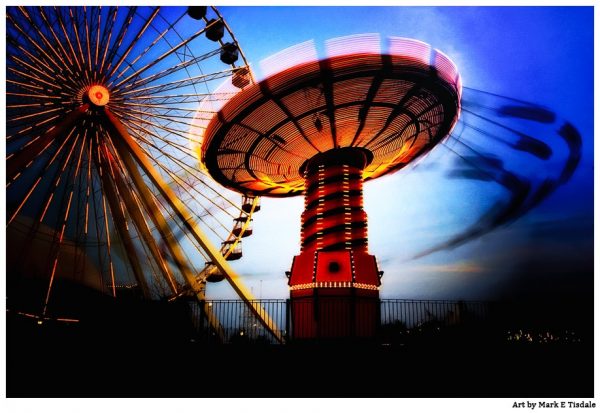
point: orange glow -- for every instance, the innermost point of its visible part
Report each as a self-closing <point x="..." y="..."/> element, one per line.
<point x="98" y="95"/>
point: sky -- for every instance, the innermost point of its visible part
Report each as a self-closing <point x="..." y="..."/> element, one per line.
<point x="536" y="54"/>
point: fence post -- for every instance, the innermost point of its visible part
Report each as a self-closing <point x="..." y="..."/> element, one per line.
<point x="288" y="319"/>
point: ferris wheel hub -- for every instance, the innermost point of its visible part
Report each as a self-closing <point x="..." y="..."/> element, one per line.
<point x="98" y="95"/>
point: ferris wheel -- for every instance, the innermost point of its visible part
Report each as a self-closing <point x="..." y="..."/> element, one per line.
<point x="105" y="110"/>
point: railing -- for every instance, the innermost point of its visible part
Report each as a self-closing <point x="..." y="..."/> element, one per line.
<point x="396" y="320"/>
<point x="236" y="324"/>
<point x="413" y="313"/>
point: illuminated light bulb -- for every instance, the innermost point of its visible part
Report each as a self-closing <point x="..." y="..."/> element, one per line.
<point x="98" y="95"/>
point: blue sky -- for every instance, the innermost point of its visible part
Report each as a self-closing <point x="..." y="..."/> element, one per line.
<point x="538" y="54"/>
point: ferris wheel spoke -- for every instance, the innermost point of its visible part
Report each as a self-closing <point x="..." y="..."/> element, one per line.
<point x="81" y="237"/>
<point x="180" y="227"/>
<point x="182" y="98"/>
<point x="28" y="105"/>
<point x="100" y="172"/>
<point x="31" y="57"/>
<point x="212" y="319"/>
<point x="188" y="190"/>
<point x="138" y="125"/>
<point x="149" y="47"/>
<point x="45" y="42"/>
<point x="39" y="74"/>
<point x="187" y="61"/>
<point x="50" y="195"/>
<point x="58" y="176"/>
<point x="33" y="96"/>
<point x="16" y="162"/>
<point x="88" y="187"/>
<point x="52" y="187"/>
<point x="63" y="225"/>
<point x="76" y="24"/>
<point x="35" y="60"/>
<point x="61" y="23"/>
<point x="35" y="117"/>
<point x="88" y="44"/>
<point x="40" y="176"/>
<point x="188" y="187"/>
<point x="141" y="155"/>
<point x="160" y="58"/>
<point x="169" y="118"/>
<point x="108" y="245"/>
<point x="88" y="34"/>
<point x="149" y="200"/>
<point x="134" y="42"/>
<point x="28" y="129"/>
<point x="97" y="43"/>
<point x="107" y="36"/>
<point x="176" y="180"/>
<point x="188" y="170"/>
<point x="183" y="65"/>
<point x="97" y="229"/>
<point x="79" y="178"/>
<point x="50" y="26"/>
<point x="25" y="86"/>
<point x="178" y="84"/>
<point x="168" y="109"/>
<point x="120" y="36"/>
<point x="35" y="114"/>
<point x="139" y="122"/>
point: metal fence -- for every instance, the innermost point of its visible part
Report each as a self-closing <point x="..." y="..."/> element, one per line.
<point x="231" y="321"/>
<point x="415" y="313"/>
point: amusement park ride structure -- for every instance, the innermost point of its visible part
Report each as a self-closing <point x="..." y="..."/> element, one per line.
<point x="320" y="129"/>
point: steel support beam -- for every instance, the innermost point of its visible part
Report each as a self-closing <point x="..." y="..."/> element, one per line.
<point x="140" y="223"/>
<point x="131" y="148"/>
<point x="108" y="187"/>
<point x="159" y="221"/>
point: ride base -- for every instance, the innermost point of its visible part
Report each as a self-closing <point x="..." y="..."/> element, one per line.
<point x="334" y="282"/>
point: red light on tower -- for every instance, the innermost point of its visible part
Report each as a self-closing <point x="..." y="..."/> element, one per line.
<point x="321" y="129"/>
